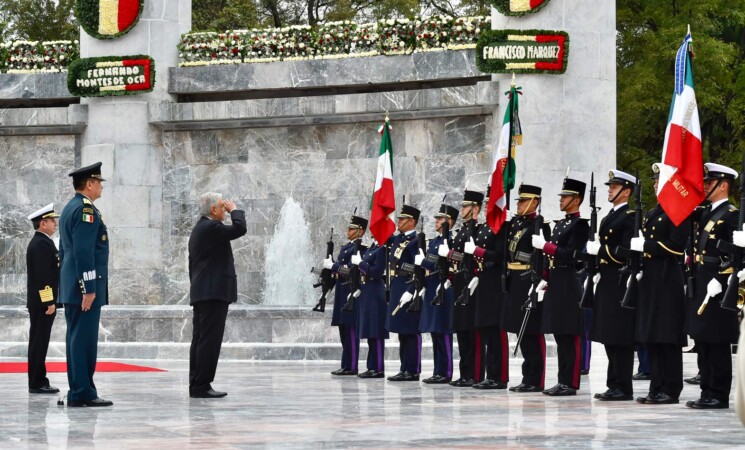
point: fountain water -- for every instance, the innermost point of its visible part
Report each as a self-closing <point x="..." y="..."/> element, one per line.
<point x="289" y="259"/>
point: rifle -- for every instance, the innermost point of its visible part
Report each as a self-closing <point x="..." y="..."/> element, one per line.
<point x="467" y="268"/>
<point x="591" y="263"/>
<point x="419" y="276"/>
<point x="354" y="280"/>
<point x="535" y="273"/>
<point x="729" y="300"/>
<point x="633" y="266"/>
<point x="325" y="278"/>
<point x="443" y="269"/>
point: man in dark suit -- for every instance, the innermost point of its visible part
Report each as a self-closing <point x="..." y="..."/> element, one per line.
<point x="84" y="282"/>
<point x="213" y="287"/>
<point x="42" y="283"/>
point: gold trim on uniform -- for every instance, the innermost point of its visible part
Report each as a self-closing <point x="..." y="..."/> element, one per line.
<point x="517" y="266"/>
<point x="670" y="251"/>
<point x="611" y="256"/>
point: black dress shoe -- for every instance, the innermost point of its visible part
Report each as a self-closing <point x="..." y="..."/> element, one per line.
<point x="584" y="372"/>
<point x="490" y="384"/>
<point x="347" y="372"/>
<point x="89" y="403"/>
<point x="660" y="398"/>
<point x="396" y="377"/>
<point x="641" y="376"/>
<point x="693" y="380"/>
<point x="614" y="395"/>
<point x="437" y="379"/>
<point x="707" y="403"/>
<point x="404" y="376"/>
<point x="642" y="400"/>
<point x="462" y="382"/>
<point x="372" y="374"/>
<point x="560" y="390"/>
<point x="210" y="393"/>
<point x="602" y="394"/>
<point x="526" y="388"/>
<point x="337" y="372"/>
<point x="43" y="390"/>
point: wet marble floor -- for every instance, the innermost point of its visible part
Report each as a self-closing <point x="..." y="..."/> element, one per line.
<point x="299" y="405"/>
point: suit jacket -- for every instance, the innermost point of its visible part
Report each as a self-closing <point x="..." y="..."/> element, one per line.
<point x="211" y="265"/>
<point x="84" y="253"/>
<point x="42" y="266"/>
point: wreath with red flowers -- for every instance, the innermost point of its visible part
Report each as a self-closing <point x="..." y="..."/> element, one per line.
<point x="109" y="23"/>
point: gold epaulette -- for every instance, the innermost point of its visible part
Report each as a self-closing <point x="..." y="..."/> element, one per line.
<point x="87" y="202"/>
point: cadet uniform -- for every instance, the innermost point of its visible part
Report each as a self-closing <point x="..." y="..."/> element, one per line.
<point x="346" y="320"/>
<point x="520" y="249"/>
<point x="469" y="339"/>
<point x="84" y="259"/>
<point x="436" y="319"/>
<point x="612" y="324"/>
<point x="42" y="290"/>
<point x="405" y="323"/>
<point x="372" y="309"/>
<point x="561" y="313"/>
<point x="716" y="328"/>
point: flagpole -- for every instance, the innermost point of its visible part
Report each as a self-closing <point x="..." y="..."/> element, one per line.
<point x="506" y="254"/>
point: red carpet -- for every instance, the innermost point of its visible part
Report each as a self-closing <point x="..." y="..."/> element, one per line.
<point x="22" y="367"/>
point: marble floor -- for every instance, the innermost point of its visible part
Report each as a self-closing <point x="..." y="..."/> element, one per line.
<point x="299" y="405"/>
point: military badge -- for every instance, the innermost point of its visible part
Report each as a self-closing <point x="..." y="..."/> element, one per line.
<point x="108" y="19"/>
<point x="88" y="218"/>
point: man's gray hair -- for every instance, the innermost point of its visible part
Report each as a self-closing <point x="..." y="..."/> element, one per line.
<point x="207" y="201"/>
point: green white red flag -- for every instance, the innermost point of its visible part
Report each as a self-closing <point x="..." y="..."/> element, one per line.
<point x="681" y="185"/>
<point x="115" y="16"/>
<point x="383" y="208"/>
<point x="503" y="169"/>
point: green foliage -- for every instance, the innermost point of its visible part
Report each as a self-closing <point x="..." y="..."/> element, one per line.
<point x="649" y="34"/>
<point x="221" y="15"/>
<point x="38" y="20"/>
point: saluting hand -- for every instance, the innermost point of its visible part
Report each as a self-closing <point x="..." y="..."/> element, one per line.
<point x="87" y="301"/>
<point x="229" y="205"/>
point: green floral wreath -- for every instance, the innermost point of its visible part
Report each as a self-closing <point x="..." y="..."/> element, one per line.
<point x="495" y="66"/>
<point x="503" y="6"/>
<point x="87" y="13"/>
<point x="82" y="65"/>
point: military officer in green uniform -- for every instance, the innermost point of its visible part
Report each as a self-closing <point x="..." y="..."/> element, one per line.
<point x="84" y="258"/>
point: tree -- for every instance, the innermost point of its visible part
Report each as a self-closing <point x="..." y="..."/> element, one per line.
<point x="649" y="34"/>
<point x="222" y="15"/>
<point x="38" y="20"/>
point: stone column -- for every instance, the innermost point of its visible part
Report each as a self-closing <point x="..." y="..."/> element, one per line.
<point x="568" y="120"/>
<point x="119" y="135"/>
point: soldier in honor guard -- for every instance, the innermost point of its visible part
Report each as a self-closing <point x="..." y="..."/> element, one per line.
<point x="612" y="324"/>
<point x="469" y="341"/>
<point x="372" y="307"/>
<point x="42" y="291"/>
<point x="561" y="313"/>
<point x="712" y="327"/>
<point x="84" y="284"/>
<point x="436" y="318"/>
<point x="488" y="250"/>
<point x="346" y="320"/>
<point x="519" y="238"/>
<point x="404" y="322"/>
<point x="660" y="310"/>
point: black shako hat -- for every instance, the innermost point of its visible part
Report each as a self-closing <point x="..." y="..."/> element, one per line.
<point x="447" y="212"/>
<point x="409" y="212"/>
<point x="358" y="222"/>
<point x="573" y="187"/>
<point x="92" y="171"/>
<point x="472" y="198"/>
<point x="527" y="191"/>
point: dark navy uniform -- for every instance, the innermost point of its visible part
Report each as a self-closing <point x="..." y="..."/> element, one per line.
<point x="405" y="323"/>
<point x="345" y="320"/>
<point x="372" y="307"/>
<point x="42" y="291"/>
<point x="84" y="258"/>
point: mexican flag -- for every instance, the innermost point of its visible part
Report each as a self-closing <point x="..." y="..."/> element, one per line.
<point x="503" y="169"/>
<point x="115" y="16"/>
<point x="681" y="185"/>
<point x="382" y="220"/>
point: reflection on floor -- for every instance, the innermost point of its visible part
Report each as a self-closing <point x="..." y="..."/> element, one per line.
<point x="299" y="405"/>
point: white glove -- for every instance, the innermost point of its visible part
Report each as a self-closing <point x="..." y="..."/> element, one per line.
<point x="357" y="293"/>
<point x="406" y="298"/>
<point x="469" y="247"/>
<point x="714" y="288"/>
<point x="328" y="264"/>
<point x="738" y="238"/>
<point x="443" y="250"/>
<point x="473" y="284"/>
<point x="356" y="259"/>
<point x="637" y="243"/>
<point x="419" y="258"/>
<point x="741" y="275"/>
<point x="596" y="278"/>
<point x="541" y="289"/>
<point x="593" y="247"/>
<point x="509" y="216"/>
<point x="639" y="275"/>
<point x="538" y="241"/>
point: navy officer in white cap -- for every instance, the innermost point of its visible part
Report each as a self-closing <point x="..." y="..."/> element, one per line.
<point x="42" y="290"/>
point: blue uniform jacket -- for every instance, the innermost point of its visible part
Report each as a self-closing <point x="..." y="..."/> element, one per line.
<point x="84" y="253"/>
<point x="435" y="319"/>
<point x="341" y="289"/>
<point x="372" y="306"/>
<point x="403" y="250"/>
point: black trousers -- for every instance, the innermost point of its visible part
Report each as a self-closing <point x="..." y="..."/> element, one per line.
<point x="494" y="351"/>
<point x="206" y="341"/>
<point x="350" y="347"/>
<point x="666" y="362"/>
<point x="533" y="348"/>
<point x="641" y="353"/>
<point x="568" y="351"/>
<point x="442" y="349"/>
<point x="620" y="368"/>
<point x="410" y="352"/>
<point x="469" y="344"/>
<point x="716" y="370"/>
<point x="38" y="344"/>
